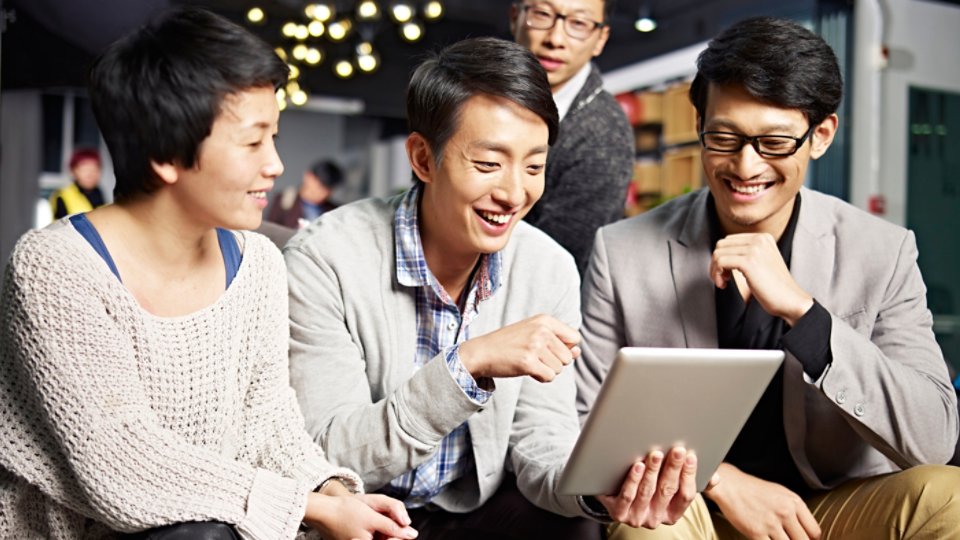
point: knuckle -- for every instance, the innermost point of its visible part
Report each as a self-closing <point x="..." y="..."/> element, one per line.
<point x="646" y="491"/>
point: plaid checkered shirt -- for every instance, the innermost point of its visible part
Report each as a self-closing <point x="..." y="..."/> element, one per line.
<point x="441" y="327"/>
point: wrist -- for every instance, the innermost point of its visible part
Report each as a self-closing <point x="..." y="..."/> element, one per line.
<point x="800" y="309"/>
<point x="468" y="359"/>
<point x="332" y="487"/>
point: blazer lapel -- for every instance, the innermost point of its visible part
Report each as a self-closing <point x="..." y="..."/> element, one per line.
<point x="814" y="241"/>
<point x="690" y="255"/>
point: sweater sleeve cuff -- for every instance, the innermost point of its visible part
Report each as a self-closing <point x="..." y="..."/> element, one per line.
<point x="275" y="507"/>
<point x="809" y="341"/>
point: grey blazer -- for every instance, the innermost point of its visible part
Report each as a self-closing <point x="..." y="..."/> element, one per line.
<point x="353" y="341"/>
<point x="885" y="403"/>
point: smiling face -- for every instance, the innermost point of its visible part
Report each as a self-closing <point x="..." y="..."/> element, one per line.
<point x="236" y="165"/>
<point x="755" y="193"/>
<point x="559" y="54"/>
<point x="491" y="174"/>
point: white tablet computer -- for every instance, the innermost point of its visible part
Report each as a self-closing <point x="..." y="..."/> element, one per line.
<point x="659" y="398"/>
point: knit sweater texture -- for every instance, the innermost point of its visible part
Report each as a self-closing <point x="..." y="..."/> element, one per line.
<point x="113" y="419"/>
<point x="588" y="170"/>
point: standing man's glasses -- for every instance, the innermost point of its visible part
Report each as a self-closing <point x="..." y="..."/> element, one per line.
<point x="765" y="145"/>
<point x="543" y="17"/>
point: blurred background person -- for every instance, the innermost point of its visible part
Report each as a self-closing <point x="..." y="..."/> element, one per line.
<point x="295" y="207"/>
<point x="83" y="194"/>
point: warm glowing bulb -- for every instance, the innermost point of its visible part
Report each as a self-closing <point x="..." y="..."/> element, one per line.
<point x="322" y="12"/>
<point x="338" y="30"/>
<point x="281" y="94"/>
<point x="294" y="71"/>
<point x="289" y="29"/>
<point x="313" y="56"/>
<point x="367" y="62"/>
<point x="364" y="48"/>
<point x="645" y="24"/>
<point x="344" y="69"/>
<point x="302" y="33"/>
<point x="281" y="53"/>
<point x="433" y="10"/>
<point x="255" y="15"/>
<point x="402" y="12"/>
<point x="300" y="51"/>
<point x="281" y="104"/>
<point x="412" y="31"/>
<point x="368" y="9"/>
<point x="316" y="28"/>
<point x="298" y="98"/>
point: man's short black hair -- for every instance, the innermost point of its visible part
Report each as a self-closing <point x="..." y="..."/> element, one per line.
<point x="157" y="91"/>
<point x="327" y="172"/>
<point x="777" y="61"/>
<point x="489" y="66"/>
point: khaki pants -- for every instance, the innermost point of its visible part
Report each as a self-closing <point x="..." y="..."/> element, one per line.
<point x="919" y="503"/>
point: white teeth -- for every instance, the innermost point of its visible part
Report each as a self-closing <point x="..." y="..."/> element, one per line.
<point x="499" y="219"/>
<point x="258" y="194"/>
<point x="748" y="190"/>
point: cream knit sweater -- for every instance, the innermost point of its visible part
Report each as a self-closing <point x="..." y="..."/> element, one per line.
<point x="112" y="419"/>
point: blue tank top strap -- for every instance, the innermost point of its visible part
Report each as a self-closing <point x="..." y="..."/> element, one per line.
<point x="90" y="234"/>
<point x="231" y="253"/>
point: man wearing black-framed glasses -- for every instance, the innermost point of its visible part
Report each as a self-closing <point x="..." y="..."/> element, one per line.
<point x="591" y="163"/>
<point x="757" y="261"/>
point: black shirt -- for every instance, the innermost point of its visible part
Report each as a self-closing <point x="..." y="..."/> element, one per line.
<point x="761" y="447"/>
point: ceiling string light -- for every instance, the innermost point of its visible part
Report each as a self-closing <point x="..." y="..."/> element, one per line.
<point x="645" y="21"/>
<point x="342" y="31"/>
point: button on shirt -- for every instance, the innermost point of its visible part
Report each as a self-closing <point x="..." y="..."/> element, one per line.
<point x="441" y="327"/>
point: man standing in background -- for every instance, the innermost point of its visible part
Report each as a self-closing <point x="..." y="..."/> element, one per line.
<point x="83" y="194"/>
<point x="591" y="162"/>
<point x="295" y="207"/>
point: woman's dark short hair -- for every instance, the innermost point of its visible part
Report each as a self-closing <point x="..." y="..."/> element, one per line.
<point x="776" y="61"/>
<point x="157" y="91"/>
<point x="489" y="66"/>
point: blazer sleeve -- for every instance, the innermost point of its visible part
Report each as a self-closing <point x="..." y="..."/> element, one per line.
<point x="85" y="435"/>
<point x="893" y="384"/>
<point x="380" y="439"/>
<point x="602" y="328"/>
<point x="545" y="426"/>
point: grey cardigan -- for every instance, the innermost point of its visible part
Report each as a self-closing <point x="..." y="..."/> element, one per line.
<point x="588" y="169"/>
<point x="353" y="341"/>
<point x="884" y="403"/>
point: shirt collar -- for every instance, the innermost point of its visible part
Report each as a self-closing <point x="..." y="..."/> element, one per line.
<point x="568" y="93"/>
<point x="411" y="263"/>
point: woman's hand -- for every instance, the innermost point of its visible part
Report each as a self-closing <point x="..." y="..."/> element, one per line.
<point x="341" y="515"/>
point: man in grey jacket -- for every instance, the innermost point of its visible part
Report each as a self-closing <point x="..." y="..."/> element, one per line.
<point x="591" y="162"/>
<point x="431" y="332"/>
<point x="833" y="448"/>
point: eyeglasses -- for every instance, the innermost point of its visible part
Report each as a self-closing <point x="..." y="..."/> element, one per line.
<point x="765" y="145"/>
<point x="543" y="17"/>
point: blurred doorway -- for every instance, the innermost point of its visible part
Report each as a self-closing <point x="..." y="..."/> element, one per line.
<point x="933" y="207"/>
